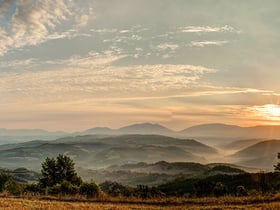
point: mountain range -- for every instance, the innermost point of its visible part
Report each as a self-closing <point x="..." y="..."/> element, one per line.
<point x="102" y="147"/>
<point x="213" y="134"/>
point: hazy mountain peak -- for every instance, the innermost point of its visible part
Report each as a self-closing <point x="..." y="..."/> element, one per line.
<point x="147" y="128"/>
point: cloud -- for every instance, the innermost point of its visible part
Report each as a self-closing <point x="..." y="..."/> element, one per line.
<point x="207" y="43"/>
<point x="95" y="77"/>
<point x="32" y="19"/>
<point x="94" y="59"/>
<point x="31" y="22"/>
<point x="167" y="46"/>
<point x="16" y="64"/>
<point x="207" y="29"/>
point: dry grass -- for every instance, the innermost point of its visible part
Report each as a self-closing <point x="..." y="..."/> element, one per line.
<point x="203" y="203"/>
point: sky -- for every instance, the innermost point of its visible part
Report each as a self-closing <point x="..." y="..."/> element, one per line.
<point x="71" y="65"/>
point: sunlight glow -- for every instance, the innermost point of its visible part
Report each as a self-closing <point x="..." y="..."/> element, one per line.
<point x="270" y="111"/>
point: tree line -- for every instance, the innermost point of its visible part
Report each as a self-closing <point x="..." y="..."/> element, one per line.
<point x="59" y="177"/>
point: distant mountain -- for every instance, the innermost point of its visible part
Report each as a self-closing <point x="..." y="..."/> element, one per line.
<point x="21" y="135"/>
<point x="214" y="130"/>
<point x="29" y="132"/>
<point x="96" y="131"/>
<point x="262" y="154"/>
<point x="145" y="128"/>
<point x="264" y="148"/>
<point x="93" y="151"/>
<point x="240" y="144"/>
<point x="219" y="133"/>
<point x="142" y="128"/>
<point x="212" y="134"/>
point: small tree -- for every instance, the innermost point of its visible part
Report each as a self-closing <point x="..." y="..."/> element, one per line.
<point x="277" y="166"/>
<point x="66" y="170"/>
<point x="49" y="172"/>
<point x="55" y="171"/>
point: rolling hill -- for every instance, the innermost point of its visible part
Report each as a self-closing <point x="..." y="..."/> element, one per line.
<point x="156" y="173"/>
<point x="262" y="154"/>
<point x="240" y="144"/>
<point x="101" y="151"/>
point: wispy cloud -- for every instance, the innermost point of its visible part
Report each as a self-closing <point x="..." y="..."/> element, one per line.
<point x="33" y="22"/>
<point x="99" y="80"/>
<point x="207" y="43"/>
<point x="167" y="46"/>
<point x="207" y="29"/>
<point x="17" y="64"/>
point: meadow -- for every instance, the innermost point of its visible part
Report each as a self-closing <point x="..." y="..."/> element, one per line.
<point x="68" y="203"/>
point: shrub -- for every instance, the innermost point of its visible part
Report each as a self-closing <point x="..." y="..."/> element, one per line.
<point x="219" y="189"/>
<point x="89" y="189"/>
<point x="14" y="188"/>
<point x="68" y="188"/>
<point x="241" y="191"/>
<point x="4" y="178"/>
<point x="33" y="188"/>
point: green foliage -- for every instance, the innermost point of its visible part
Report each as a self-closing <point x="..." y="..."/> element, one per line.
<point x="220" y="189"/>
<point x="115" y="189"/>
<point x="55" y="171"/>
<point x="66" y="170"/>
<point x="203" y="188"/>
<point x="4" y="178"/>
<point x="262" y="182"/>
<point x="14" y="188"/>
<point x="241" y="191"/>
<point x="68" y="188"/>
<point x="49" y="172"/>
<point x="33" y="188"/>
<point x="7" y="183"/>
<point x="277" y="166"/>
<point x="143" y="191"/>
<point x="90" y="189"/>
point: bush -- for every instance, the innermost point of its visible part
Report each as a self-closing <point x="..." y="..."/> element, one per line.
<point x="90" y="189"/>
<point x="14" y="188"/>
<point x="219" y="189"/>
<point x="241" y="191"/>
<point x="33" y="188"/>
<point x="68" y="188"/>
<point x="4" y="178"/>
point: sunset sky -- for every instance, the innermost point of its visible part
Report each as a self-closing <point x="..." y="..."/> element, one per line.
<point x="71" y="65"/>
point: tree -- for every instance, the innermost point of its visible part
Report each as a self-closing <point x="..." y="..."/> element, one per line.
<point x="55" y="171"/>
<point x="49" y="172"/>
<point x="277" y="167"/>
<point x="66" y="170"/>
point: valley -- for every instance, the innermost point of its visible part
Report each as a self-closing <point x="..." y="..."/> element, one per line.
<point x="137" y="154"/>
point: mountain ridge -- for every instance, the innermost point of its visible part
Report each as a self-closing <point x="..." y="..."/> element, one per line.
<point x="214" y="134"/>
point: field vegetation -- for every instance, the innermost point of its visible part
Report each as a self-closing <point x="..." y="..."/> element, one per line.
<point x="60" y="187"/>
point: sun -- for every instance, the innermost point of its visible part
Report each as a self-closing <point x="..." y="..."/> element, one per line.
<point x="270" y="111"/>
<point x="273" y="110"/>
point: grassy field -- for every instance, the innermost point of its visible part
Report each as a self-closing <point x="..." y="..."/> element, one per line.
<point x="204" y="203"/>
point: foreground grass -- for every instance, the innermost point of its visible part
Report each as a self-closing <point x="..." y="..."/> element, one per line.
<point x="18" y="204"/>
<point x="258" y="202"/>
